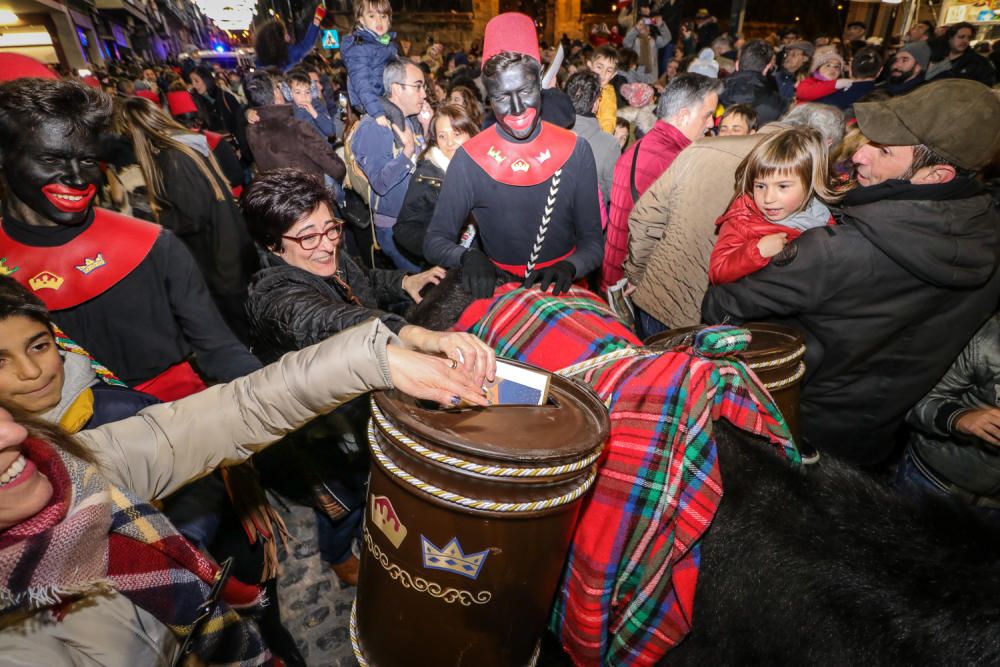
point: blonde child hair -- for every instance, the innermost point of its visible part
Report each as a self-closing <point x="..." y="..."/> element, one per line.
<point x="800" y="152"/>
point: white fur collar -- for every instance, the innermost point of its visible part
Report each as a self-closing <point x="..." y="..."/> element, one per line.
<point x="438" y="158"/>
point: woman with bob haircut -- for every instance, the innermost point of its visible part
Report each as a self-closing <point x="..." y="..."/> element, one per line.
<point x="307" y="290"/>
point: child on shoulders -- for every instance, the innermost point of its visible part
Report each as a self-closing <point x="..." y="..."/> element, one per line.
<point x="780" y="189"/>
<point x="366" y="52"/>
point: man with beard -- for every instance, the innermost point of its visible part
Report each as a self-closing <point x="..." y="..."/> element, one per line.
<point x="127" y="290"/>
<point x="908" y="68"/>
<point x="889" y="296"/>
<point x="531" y="186"/>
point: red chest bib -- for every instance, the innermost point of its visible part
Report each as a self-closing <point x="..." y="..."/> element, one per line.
<point x="87" y="266"/>
<point x="524" y="164"/>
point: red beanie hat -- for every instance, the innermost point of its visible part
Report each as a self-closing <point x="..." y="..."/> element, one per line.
<point x="180" y="102"/>
<point x="149" y="95"/>
<point x="510" y="32"/>
<point x="17" y="66"/>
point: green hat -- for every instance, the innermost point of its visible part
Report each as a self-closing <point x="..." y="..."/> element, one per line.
<point x="958" y="119"/>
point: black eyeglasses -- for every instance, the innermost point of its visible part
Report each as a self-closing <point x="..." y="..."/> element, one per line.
<point x="420" y="86"/>
<point x="312" y="241"/>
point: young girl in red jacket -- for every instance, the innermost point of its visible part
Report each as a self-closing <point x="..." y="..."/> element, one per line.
<point x="780" y="189"/>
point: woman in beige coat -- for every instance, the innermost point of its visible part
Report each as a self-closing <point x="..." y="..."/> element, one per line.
<point x="90" y="574"/>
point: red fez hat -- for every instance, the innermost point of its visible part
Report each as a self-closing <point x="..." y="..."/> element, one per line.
<point x="17" y="66"/>
<point x="180" y="102"/>
<point x="149" y="95"/>
<point x="513" y="32"/>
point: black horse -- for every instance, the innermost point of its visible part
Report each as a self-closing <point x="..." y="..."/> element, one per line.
<point x="824" y="565"/>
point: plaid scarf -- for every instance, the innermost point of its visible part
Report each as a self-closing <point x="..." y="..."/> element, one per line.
<point x="628" y="588"/>
<point x="94" y="537"/>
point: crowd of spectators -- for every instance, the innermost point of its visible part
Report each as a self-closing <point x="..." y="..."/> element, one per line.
<point x="841" y="185"/>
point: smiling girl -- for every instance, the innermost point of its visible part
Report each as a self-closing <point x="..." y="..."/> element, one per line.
<point x="780" y="189"/>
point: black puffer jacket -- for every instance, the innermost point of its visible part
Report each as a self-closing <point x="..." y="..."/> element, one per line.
<point x="758" y="91"/>
<point x="886" y="300"/>
<point x="290" y="308"/>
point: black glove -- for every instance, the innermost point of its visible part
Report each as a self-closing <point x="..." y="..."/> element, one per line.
<point x="479" y="275"/>
<point x="560" y="275"/>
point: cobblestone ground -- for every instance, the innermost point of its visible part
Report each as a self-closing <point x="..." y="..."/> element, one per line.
<point x="315" y="605"/>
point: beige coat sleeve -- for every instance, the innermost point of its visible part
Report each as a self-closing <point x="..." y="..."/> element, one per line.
<point x="167" y="445"/>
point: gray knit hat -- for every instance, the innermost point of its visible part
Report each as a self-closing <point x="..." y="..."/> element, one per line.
<point x="920" y="52"/>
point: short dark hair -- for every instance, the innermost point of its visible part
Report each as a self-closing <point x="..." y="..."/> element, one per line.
<point x="953" y="30"/>
<point x="504" y="59"/>
<point x="604" y="51"/>
<point x="925" y="156"/>
<point x="16" y="300"/>
<point x="930" y="25"/>
<point x="745" y="110"/>
<point x="583" y="88"/>
<point x="259" y="88"/>
<point x="866" y="63"/>
<point x="755" y="56"/>
<point x="858" y="24"/>
<point x="277" y="199"/>
<point x="27" y="102"/>
<point x="298" y="76"/>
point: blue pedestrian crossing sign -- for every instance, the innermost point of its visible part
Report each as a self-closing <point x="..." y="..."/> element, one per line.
<point x="331" y="40"/>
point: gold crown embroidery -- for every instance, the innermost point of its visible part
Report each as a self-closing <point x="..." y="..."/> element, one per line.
<point x="543" y="156"/>
<point x="45" y="280"/>
<point x="91" y="264"/>
<point x="520" y="165"/>
<point x="7" y="270"/>
<point x="452" y="558"/>
<point x="496" y="155"/>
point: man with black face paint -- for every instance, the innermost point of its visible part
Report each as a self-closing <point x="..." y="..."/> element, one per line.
<point x="127" y="290"/>
<point x="531" y="186"/>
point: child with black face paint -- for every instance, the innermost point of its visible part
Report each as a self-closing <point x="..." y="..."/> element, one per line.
<point x="366" y="52"/>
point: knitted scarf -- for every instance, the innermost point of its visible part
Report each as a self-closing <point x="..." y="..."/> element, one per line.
<point x="627" y="592"/>
<point x="94" y="537"/>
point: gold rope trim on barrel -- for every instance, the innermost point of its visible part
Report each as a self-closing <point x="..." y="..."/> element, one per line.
<point x="421" y="585"/>
<point x="359" y="655"/>
<point x="474" y="503"/>
<point x="490" y="471"/>
<point x="800" y="371"/>
<point x="793" y="356"/>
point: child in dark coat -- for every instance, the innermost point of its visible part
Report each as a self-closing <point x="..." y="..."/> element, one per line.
<point x="366" y="52"/>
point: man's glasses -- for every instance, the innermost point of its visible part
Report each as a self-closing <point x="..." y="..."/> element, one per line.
<point x="419" y="85"/>
<point x="312" y="241"/>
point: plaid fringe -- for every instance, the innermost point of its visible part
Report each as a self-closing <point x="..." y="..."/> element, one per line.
<point x="628" y="587"/>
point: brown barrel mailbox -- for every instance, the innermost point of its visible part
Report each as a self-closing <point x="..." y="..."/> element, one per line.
<point x="468" y="520"/>
<point x="775" y="356"/>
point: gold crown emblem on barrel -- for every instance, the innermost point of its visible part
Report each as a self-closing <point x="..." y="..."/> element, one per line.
<point x="45" y="280"/>
<point x="452" y="558"/>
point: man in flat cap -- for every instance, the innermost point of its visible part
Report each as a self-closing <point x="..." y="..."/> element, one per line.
<point x="888" y="297"/>
<point x="531" y="186"/>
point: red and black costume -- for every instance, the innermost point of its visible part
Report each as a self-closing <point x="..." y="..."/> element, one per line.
<point x="520" y="192"/>
<point x="130" y="293"/>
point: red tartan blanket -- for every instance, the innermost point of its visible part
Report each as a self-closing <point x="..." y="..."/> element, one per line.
<point x="628" y="588"/>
